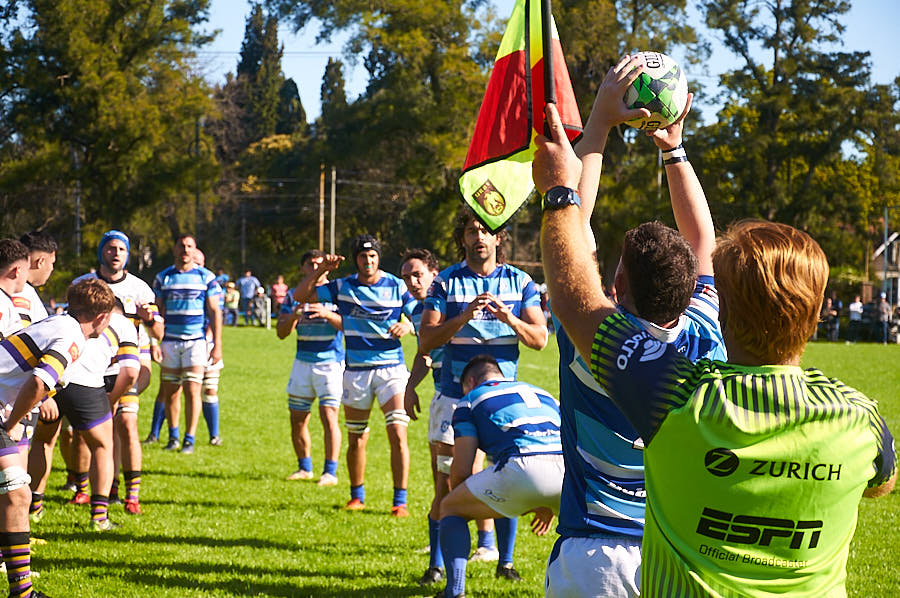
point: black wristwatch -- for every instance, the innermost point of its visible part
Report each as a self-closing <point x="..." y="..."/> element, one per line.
<point x="560" y="197"/>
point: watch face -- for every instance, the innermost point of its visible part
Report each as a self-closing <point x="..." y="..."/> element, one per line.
<point x="559" y="197"/>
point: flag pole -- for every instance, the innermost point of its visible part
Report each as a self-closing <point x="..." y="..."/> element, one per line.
<point x="547" y="55"/>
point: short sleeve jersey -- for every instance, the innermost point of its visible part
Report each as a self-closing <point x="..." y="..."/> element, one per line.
<point x="450" y="294"/>
<point x="10" y="319"/>
<point x="45" y="350"/>
<point x="183" y="296"/>
<point x="754" y="474"/>
<point x="30" y="307"/>
<point x="509" y="418"/>
<point x="414" y="313"/>
<point x="368" y="311"/>
<point x="131" y="291"/>
<point x="603" y="486"/>
<point x="115" y="348"/>
<point x="317" y="340"/>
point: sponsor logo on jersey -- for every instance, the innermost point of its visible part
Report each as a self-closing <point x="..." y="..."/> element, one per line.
<point x="73" y="352"/>
<point x="376" y="315"/>
<point x="753" y="530"/>
<point x="722" y="462"/>
<point x="637" y="343"/>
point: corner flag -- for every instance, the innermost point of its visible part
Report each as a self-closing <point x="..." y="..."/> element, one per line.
<point x="496" y="178"/>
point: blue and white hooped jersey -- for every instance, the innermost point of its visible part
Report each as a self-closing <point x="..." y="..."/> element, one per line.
<point x="182" y="296"/>
<point x="509" y="418"/>
<point x="450" y="294"/>
<point x="317" y="340"/>
<point x="603" y="485"/>
<point x="368" y="312"/>
<point x="414" y="313"/>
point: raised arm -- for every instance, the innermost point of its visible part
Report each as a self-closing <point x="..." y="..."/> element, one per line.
<point x="305" y="291"/>
<point x="688" y="200"/>
<point x="572" y="277"/>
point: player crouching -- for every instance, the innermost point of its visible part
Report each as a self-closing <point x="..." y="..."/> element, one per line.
<point x="31" y="363"/>
<point x="517" y="425"/>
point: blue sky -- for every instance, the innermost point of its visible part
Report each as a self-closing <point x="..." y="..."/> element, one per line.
<point x="871" y="25"/>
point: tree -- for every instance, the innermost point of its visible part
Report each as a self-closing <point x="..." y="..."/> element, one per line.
<point x="777" y="150"/>
<point x="101" y="102"/>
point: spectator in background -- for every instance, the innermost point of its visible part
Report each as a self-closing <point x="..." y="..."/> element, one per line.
<point x="279" y="292"/>
<point x="856" y="314"/>
<point x="828" y="317"/>
<point x="222" y="278"/>
<point x="838" y="305"/>
<point x="232" y="303"/>
<point x="258" y="309"/>
<point x="882" y="318"/>
<point x="247" y="285"/>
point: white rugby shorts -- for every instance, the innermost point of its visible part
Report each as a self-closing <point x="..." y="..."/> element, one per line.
<point x="362" y="387"/>
<point x="440" y="419"/>
<point x="599" y="567"/>
<point x="312" y="380"/>
<point x="180" y="355"/>
<point x="523" y="483"/>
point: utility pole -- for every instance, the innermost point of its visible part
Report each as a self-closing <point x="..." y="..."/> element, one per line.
<point x="196" y="179"/>
<point x="322" y="207"/>
<point x="243" y="237"/>
<point x="333" y="180"/>
<point x="77" y="235"/>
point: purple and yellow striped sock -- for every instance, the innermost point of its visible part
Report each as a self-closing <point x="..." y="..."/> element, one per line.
<point x="37" y="502"/>
<point x="17" y="556"/>
<point x="99" y="507"/>
<point x="132" y="485"/>
<point x="81" y="482"/>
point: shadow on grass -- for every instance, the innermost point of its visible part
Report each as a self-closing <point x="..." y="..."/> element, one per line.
<point x="241" y="580"/>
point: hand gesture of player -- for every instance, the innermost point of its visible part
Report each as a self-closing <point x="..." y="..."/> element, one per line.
<point x="543" y="517"/>
<point x="477" y="304"/>
<point x="609" y="107"/>
<point x="555" y="162"/>
<point x="400" y="329"/>
<point x="498" y="308"/>
<point x="670" y="137"/>
<point x="49" y="410"/>
<point x="331" y="262"/>
<point x="144" y="313"/>
<point x="411" y="402"/>
<point x="312" y="311"/>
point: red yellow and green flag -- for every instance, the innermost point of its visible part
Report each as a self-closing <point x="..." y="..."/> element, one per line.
<point x="496" y="178"/>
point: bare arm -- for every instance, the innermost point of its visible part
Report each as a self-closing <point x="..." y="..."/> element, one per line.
<point x="215" y="325"/>
<point x="688" y="200"/>
<point x="286" y="324"/>
<point x="305" y="291"/>
<point x="530" y="329"/>
<point x="464" y="449"/>
<point x="126" y="378"/>
<point x="572" y="278"/>
<point x="418" y="372"/>
<point x="435" y="330"/>
<point x="31" y="393"/>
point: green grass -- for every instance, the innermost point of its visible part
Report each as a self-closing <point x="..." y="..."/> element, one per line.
<point x="223" y="522"/>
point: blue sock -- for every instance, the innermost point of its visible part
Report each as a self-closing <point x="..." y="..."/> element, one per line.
<point x="174" y="433"/>
<point x="436" y="559"/>
<point x="506" y="538"/>
<point x="399" y="496"/>
<point x="305" y="463"/>
<point x="159" y="416"/>
<point x="211" y="415"/>
<point x="330" y="467"/>
<point x="455" y="544"/>
<point x="486" y="539"/>
<point x="358" y="492"/>
<point x="189" y="439"/>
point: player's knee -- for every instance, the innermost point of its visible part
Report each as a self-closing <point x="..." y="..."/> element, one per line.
<point x="397" y="417"/>
<point x="358" y="427"/>
<point x="170" y="378"/>
<point x="13" y="478"/>
<point x="443" y="463"/>
<point x="303" y="405"/>
<point x="192" y="376"/>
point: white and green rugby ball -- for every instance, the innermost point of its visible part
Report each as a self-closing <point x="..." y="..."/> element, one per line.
<point x="661" y="88"/>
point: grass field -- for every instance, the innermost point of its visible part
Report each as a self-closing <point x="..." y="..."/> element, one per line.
<point x="224" y="522"/>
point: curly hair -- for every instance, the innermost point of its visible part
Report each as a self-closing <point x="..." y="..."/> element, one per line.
<point x="464" y="216"/>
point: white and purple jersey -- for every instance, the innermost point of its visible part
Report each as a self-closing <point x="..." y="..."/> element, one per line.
<point x="183" y="296"/>
<point x="450" y="294"/>
<point x="368" y="311"/>
<point x="414" y="313"/>
<point x="509" y="418"/>
<point x="604" y="490"/>
<point x="317" y="340"/>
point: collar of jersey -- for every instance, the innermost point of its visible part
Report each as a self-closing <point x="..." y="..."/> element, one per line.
<point x="663" y="335"/>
